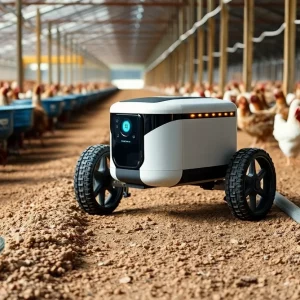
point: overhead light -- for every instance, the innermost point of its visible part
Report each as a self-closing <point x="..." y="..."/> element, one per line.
<point x="137" y="25"/>
<point x="140" y="9"/>
<point x="43" y="67"/>
<point x="139" y="16"/>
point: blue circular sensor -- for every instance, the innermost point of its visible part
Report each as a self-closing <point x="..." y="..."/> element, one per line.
<point x="126" y="126"/>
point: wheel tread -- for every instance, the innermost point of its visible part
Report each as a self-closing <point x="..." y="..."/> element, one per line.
<point x="83" y="178"/>
<point x="235" y="179"/>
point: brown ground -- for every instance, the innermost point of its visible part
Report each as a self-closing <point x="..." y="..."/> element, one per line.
<point x="179" y="243"/>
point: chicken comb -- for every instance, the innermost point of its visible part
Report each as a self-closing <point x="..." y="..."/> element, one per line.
<point x="278" y="94"/>
<point x="297" y="114"/>
<point x="5" y="91"/>
<point x="235" y="84"/>
<point x="262" y="88"/>
<point x="242" y="100"/>
<point x="254" y="99"/>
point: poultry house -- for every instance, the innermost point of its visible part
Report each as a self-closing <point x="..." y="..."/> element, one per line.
<point x="287" y="132"/>
<point x="257" y="125"/>
<point x="40" y="119"/>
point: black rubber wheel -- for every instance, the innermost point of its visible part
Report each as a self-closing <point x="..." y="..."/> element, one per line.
<point x="250" y="184"/>
<point x="93" y="183"/>
<point x="2" y="244"/>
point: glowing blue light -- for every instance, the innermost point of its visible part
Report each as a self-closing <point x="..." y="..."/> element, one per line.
<point x="126" y="126"/>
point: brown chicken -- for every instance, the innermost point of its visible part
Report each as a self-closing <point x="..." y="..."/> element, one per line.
<point x="281" y="105"/>
<point x="258" y="125"/>
<point x="256" y="102"/>
<point x="48" y="93"/>
<point x="40" y="118"/>
<point x="4" y="100"/>
<point x="260" y="93"/>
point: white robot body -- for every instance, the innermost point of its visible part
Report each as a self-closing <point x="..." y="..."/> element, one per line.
<point x="171" y="141"/>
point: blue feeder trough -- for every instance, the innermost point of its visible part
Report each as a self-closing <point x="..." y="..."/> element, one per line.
<point x="6" y="122"/>
<point x="6" y="130"/>
<point x="79" y="101"/>
<point x="23" y="117"/>
<point x="23" y="122"/>
<point x="53" y="106"/>
<point x="69" y="103"/>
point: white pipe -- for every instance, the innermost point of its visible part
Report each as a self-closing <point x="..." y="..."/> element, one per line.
<point x="2" y="244"/>
<point x="288" y="207"/>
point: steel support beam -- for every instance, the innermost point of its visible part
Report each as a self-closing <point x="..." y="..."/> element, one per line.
<point x="210" y="44"/>
<point x="71" y="62"/>
<point x="49" y="54"/>
<point x="38" y="47"/>
<point x="248" y="48"/>
<point x="65" y="60"/>
<point x="223" y="46"/>
<point x="289" y="46"/>
<point x="108" y="3"/>
<point x="20" y="70"/>
<point x="200" y="42"/>
<point x="58" y="56"/>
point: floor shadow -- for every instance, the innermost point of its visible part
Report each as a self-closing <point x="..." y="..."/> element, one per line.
<point x="215" y="212"/>
<point x="197" y="213"/>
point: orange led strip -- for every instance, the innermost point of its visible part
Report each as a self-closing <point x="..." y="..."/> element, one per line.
<point x="226" y="114"/>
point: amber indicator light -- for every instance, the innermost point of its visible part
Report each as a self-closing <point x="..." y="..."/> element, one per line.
<point x="212" y="115"/>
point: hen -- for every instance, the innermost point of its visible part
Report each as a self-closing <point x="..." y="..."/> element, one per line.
<point x="4" y="100"/>
<point x="257" y="125"/>
<point x="260" y="93"/>
<point x="287" y="133"/>
<point x="281" y="105"/>
<point x="40" y="119"/>
<point x="256" y="104"/>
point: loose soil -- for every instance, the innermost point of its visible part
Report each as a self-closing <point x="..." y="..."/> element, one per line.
<point x="179" y="243"/>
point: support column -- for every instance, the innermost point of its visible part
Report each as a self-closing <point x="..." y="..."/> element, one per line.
<point x="200" y="43"/>
<point x="223" y="46"/>
<point x="71" y="62"/>
<point x="80" y="60"/>
<point x="78" y="64"/>
<point x="175" y="59"/>
<point x="248" y="44"/>
<point x="191" y="44"/>
<point x="58" y="57"/>
<point x="182" y="47"/>
<point x="65" y="60"/>
<point x="38" y="47"/>
<point x="289" y="46"/>
<point x="20" y="70"/>
<point x="210" y="43"/>
<point x="49" y="54"/>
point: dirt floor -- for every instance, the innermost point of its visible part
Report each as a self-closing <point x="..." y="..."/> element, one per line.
<point x="179" y="243"/>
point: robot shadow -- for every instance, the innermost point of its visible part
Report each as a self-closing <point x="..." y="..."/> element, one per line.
<point x="212" y="212"/>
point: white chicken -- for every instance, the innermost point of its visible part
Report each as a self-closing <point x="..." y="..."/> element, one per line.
<point x="4" y="100"/>
<point x="287" y="133"/>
